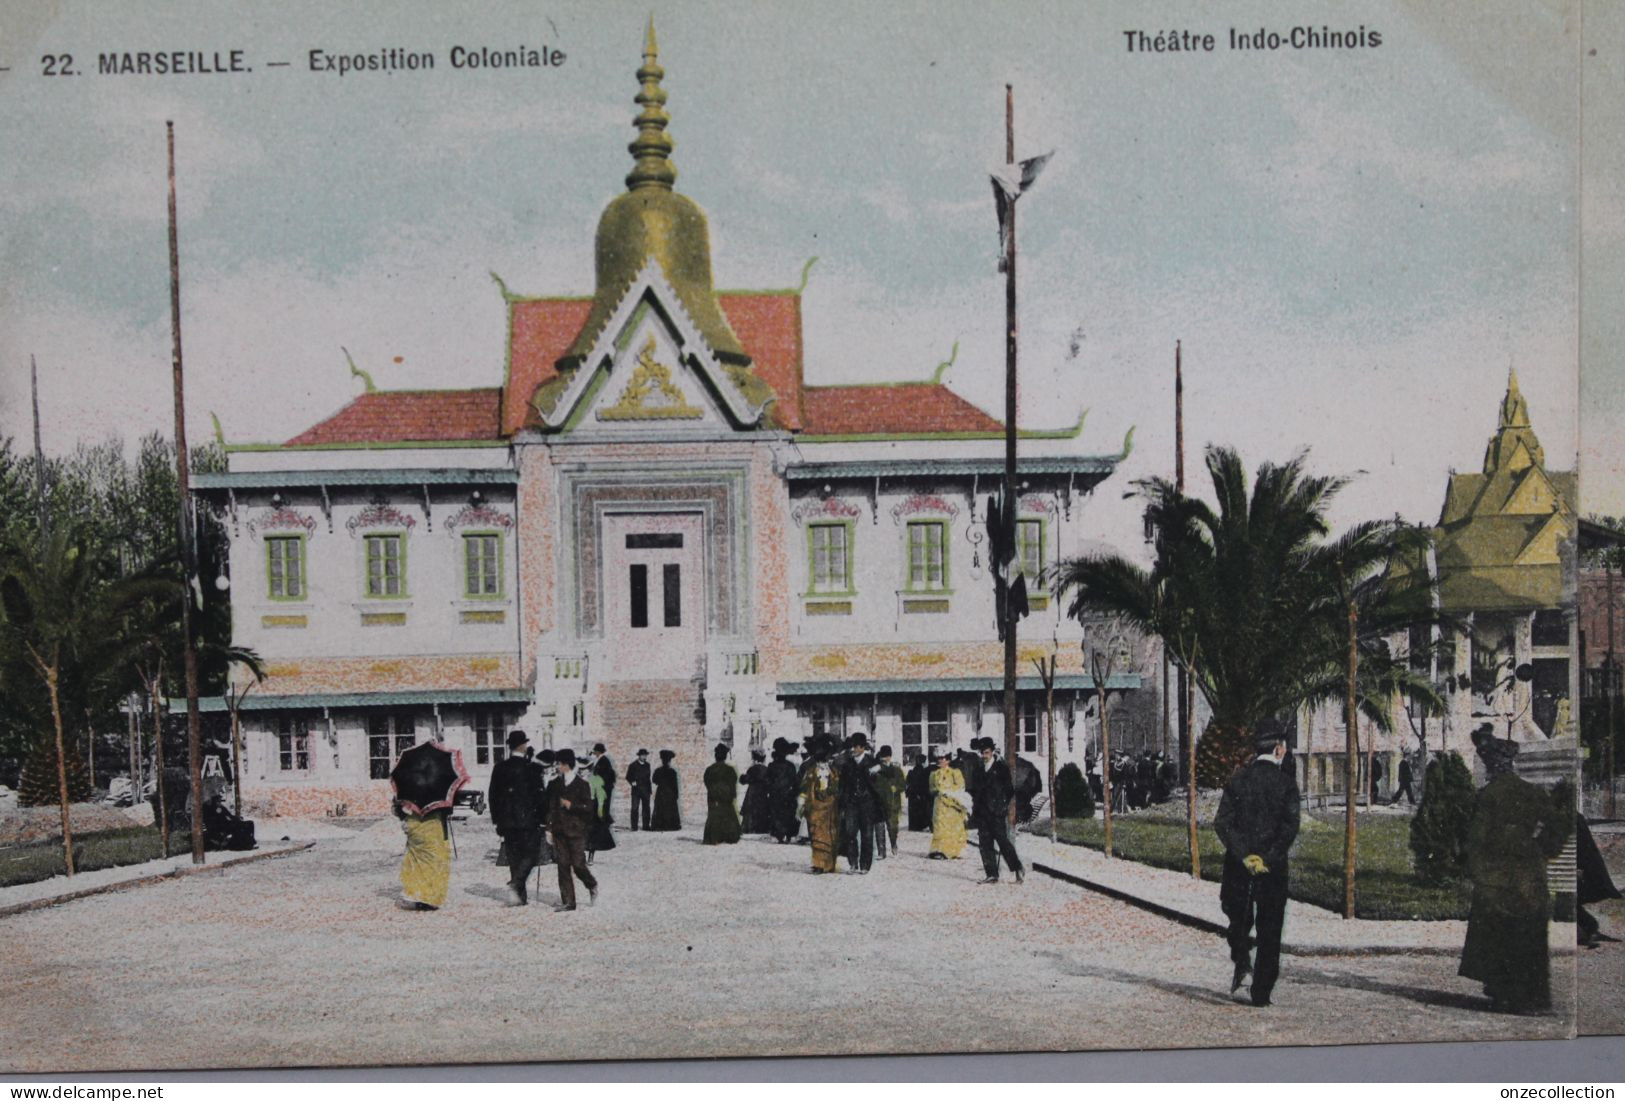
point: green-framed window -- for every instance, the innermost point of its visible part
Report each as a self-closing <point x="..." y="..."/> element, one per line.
<point x="927" y="555"/>
<point x="293" y="744"/>
<point x="386" y="564"/>
<point x="925" y="727"/>
<point x="285" y="567"/>
<point x="1030" y="551"/>
<point x="388" y="736"/>
<point x="490" y="738"/>
<point x="482" y="565"/>
<point x="829" y="558"/>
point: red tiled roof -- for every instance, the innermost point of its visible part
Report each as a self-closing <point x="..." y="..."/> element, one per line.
<point x="402" y="416"/>
<point x="542" y="329"/>
<point x="906" y="409"/>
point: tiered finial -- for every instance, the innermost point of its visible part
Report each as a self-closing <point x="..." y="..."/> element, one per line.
<point x="651" y="149"/>
<point x="1514" y="408"/>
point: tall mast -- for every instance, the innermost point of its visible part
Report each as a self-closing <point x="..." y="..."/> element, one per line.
<point x="194" y="741"/>
<point x="1008" y="514"/>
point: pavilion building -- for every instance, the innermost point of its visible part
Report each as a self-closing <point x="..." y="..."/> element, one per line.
<point x="656" y="532"/>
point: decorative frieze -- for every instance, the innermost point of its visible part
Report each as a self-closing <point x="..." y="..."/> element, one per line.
<point x="923" y="504"/>
<point x="824" y="508"/>
<point x="282" y="518"/>
<point x="479" y="516"/>
<point x="379" y="515"/>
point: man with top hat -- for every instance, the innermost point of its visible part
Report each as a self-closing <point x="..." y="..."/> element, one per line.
<point x="637" y="779"/>
<point x="570" y="817"/>
<point x="519" y="811"/>
<point x="859" y="804"/>
<point x="991" y="795"/>
<point x="1257" y="823"/>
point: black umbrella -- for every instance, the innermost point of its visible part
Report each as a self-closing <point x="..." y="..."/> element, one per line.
<point x="427" y="777"/>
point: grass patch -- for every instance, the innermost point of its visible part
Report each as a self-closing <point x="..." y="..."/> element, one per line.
<point x="1385" y="885"/>
<point x="39" y="860"/>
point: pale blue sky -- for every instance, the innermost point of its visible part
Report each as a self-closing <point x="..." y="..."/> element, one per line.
<point x="1353" y="245"/>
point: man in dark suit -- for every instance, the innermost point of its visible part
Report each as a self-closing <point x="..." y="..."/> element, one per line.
<point x="604" y="769"/>
<point x="860" y="805"/>
<point x="569" y="817"/>
<point x="1257" y="822"/>
<point x="519" y="811"/>
<point x="638" y="779"/>
<point x="991" y="796"/>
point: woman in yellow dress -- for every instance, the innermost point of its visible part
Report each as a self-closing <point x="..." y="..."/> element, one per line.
<point x="817" y="806"/>
<point x="948" y="809"/>
<point x="426" y="868"/>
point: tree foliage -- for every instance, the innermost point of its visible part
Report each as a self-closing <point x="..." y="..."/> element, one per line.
<point x="1073" y="798"/>
<point x="1251" y="595"/>
<point x="1439" y="830"/>
<point x="108" y="520"/>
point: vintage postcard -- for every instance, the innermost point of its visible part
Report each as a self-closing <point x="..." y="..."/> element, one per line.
<point x="560" y="531"/>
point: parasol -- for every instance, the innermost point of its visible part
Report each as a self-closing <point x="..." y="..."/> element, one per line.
<point x="427" y="777"/>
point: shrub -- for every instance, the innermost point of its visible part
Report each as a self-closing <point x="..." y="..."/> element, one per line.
<point x="1072" y="796"/>
<point x="38" y="787"/>
<point x="1439" y="830"/>
<point x="1219" y="752"/>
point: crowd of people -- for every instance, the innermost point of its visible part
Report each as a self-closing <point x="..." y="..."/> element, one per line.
<point x="548" y="807"/>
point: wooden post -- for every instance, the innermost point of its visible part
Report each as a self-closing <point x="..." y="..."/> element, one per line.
<point x="39" y="455"/>
<point x="1046" y="673"/>
<point x="194" y="738"/>
<point x="1351" y="760"/>
<point x="158" y="759"/>
<point x="1008" y="516"/>
<point x="1105" y="744"/>
<point x="1608" y="679"/>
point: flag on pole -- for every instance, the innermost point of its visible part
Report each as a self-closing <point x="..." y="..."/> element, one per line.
<point x="1010" y="182"/>
<point x="1009" y="581"/>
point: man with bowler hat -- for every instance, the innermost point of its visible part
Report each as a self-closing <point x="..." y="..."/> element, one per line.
<point x="638" y="780"/>
<point x="570" y="816"/>
<point x="990" y="807"/>
<point x="519" y="811"/>
<point x="1257" y="822"/>
<point x="859" y="804"/>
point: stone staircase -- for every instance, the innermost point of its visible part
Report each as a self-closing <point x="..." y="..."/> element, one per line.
<point x="654" y="715"/>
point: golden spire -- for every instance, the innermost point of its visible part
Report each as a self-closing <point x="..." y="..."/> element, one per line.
<point x="1514" y="408"/>
<point x="651" y="149"/>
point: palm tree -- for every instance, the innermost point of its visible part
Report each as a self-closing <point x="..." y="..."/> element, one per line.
<point x="1377" y="585"/>
<point x="1245" y="595"/>
<point x="63" y="605"/>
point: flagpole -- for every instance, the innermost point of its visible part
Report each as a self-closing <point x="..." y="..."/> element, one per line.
<point x="194" y="741"/>
<point x="1008" y="514"/>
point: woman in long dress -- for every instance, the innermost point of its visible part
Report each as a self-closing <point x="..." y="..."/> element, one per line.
<point x="817" y="805"/>
<point x="782" y="790"/>
<point x="721" y="793"/>
<point x="948" y="809"/>
<point x="754" y="814"/>
<point x="664" y="778"/>
<point x="1516" y="828"/>
<point x="599" y="839"/>
<point x="426" y="867"/>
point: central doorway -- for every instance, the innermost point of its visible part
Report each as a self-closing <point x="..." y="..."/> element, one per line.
<point x="654" y="590"/>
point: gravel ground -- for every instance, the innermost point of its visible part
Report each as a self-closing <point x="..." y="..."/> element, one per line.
<point x="691" y="951"/>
